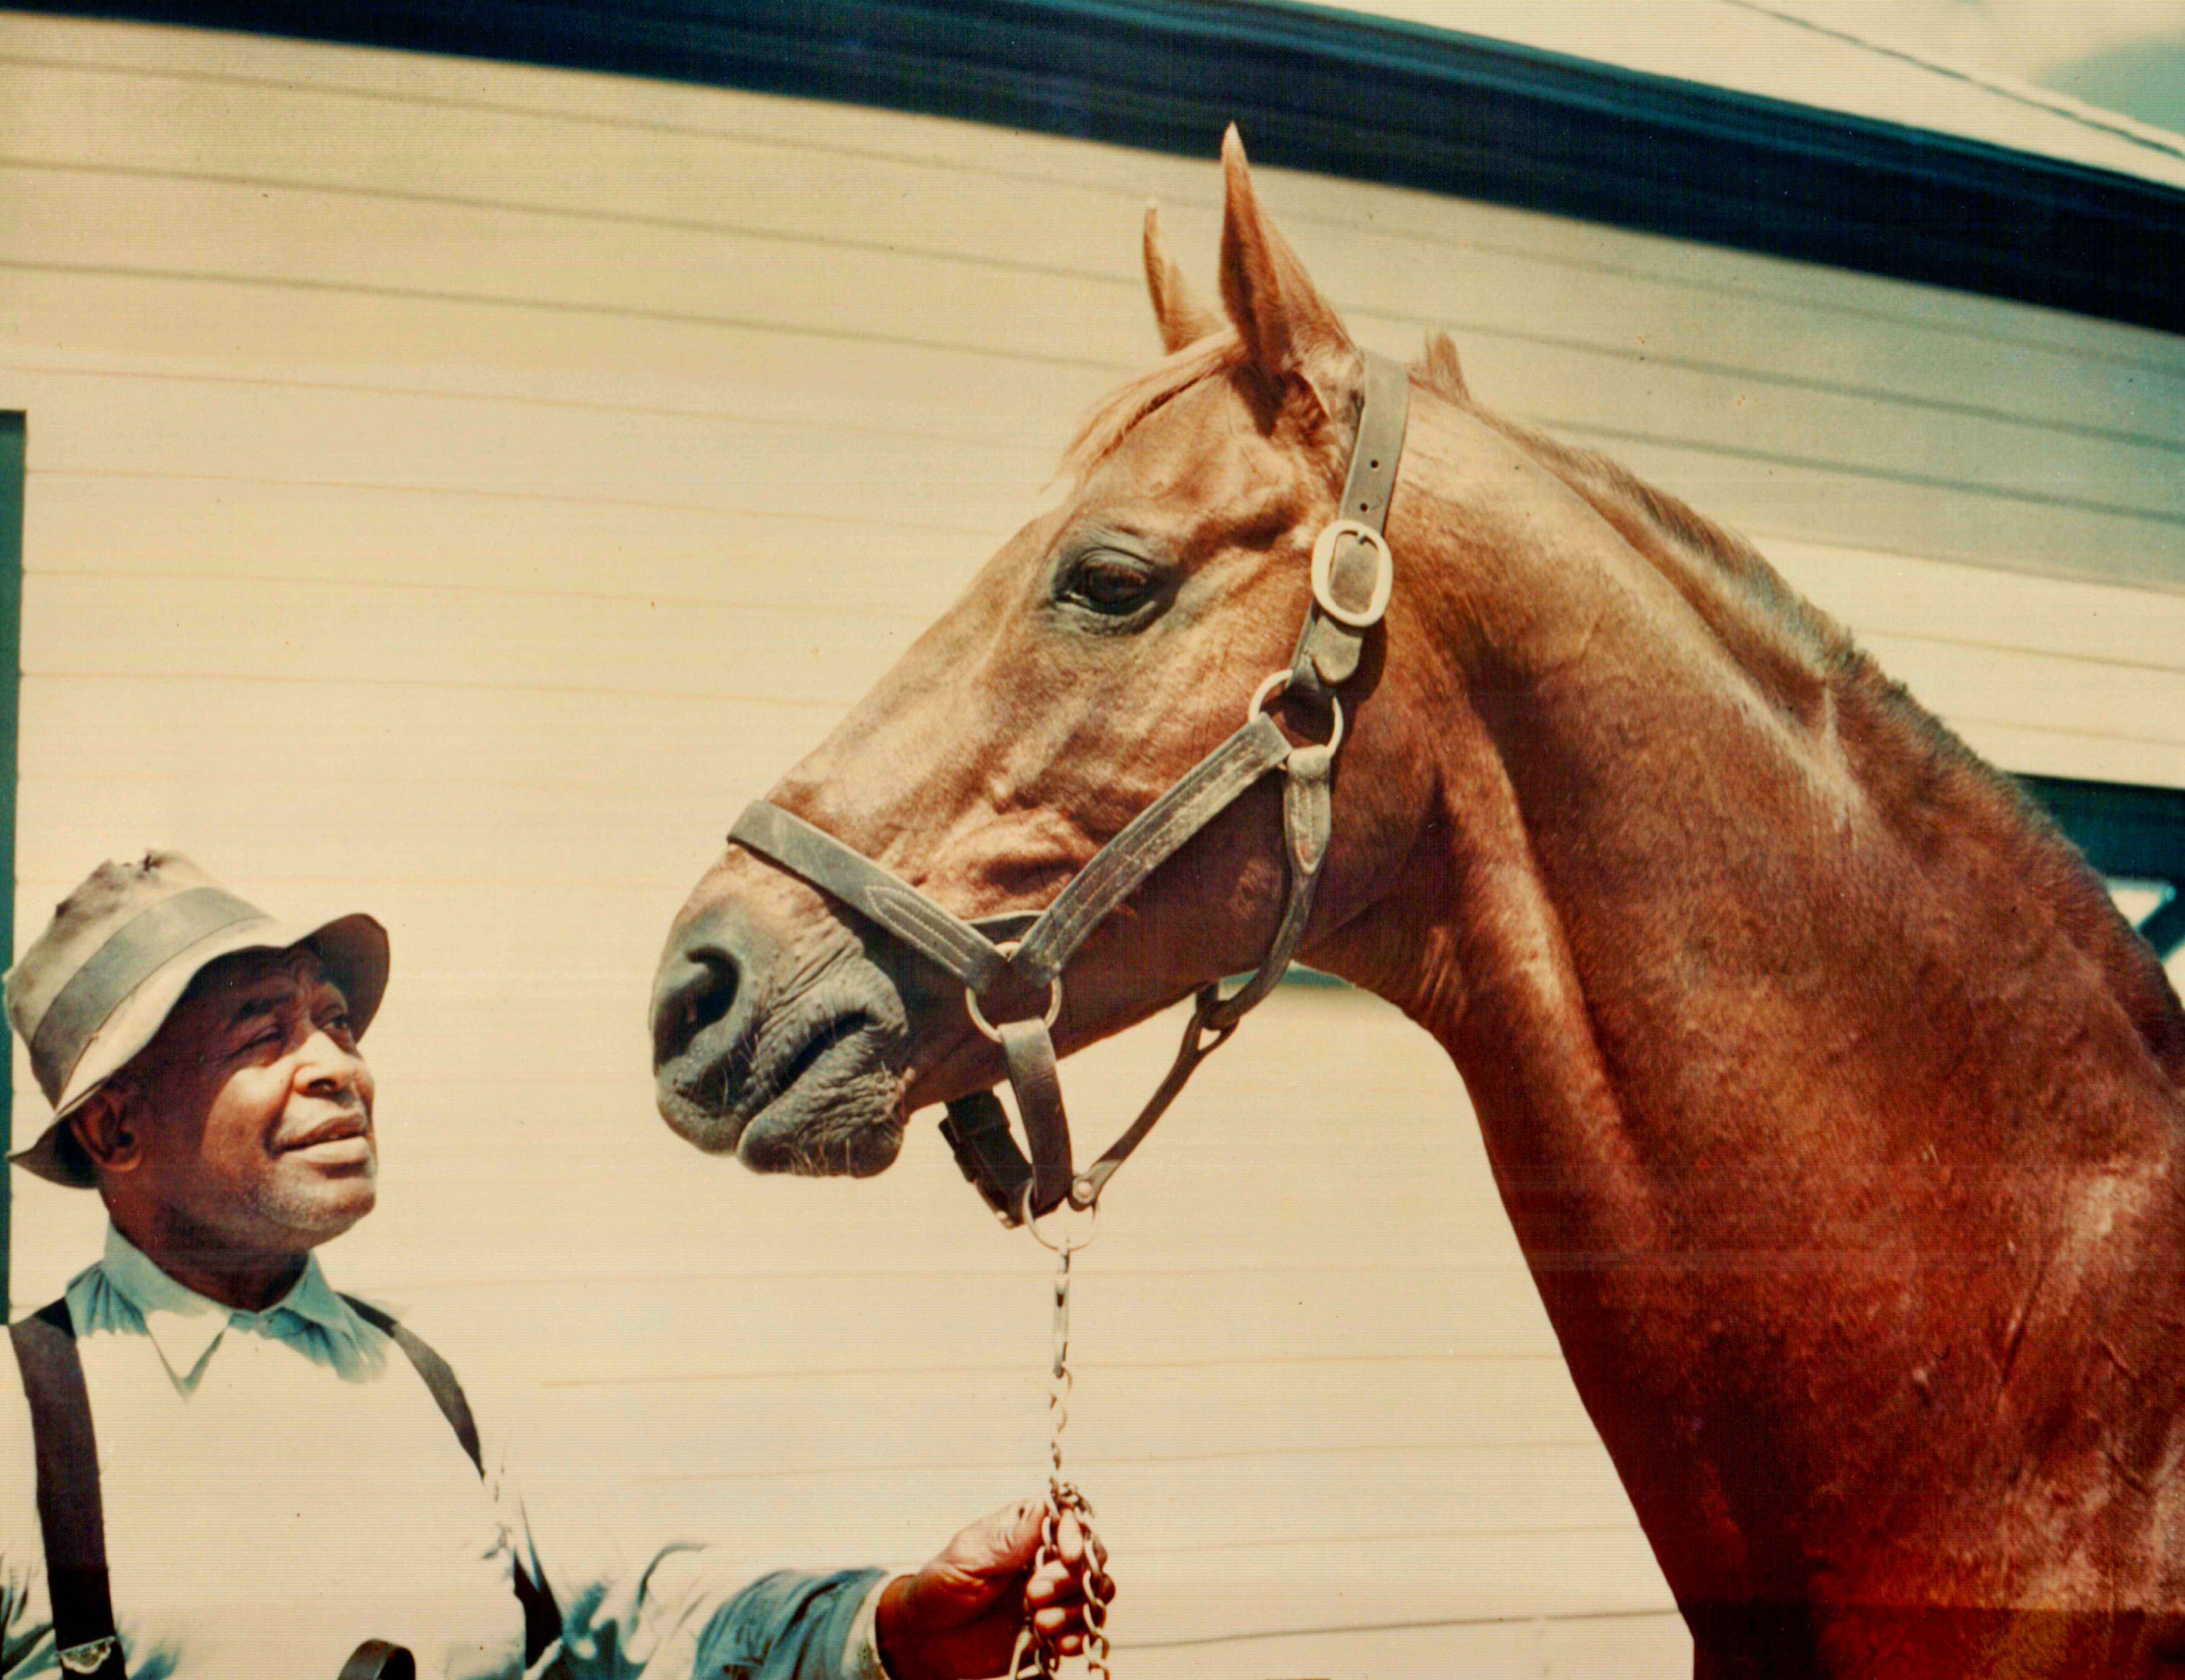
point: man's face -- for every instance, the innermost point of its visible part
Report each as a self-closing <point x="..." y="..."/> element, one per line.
<point x="251" y="1109"/>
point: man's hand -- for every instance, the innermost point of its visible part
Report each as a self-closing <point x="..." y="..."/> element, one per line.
<point x="957" y="1617"/>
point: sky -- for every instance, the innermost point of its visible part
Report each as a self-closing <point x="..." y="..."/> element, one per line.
<point x="2125" y="55"/>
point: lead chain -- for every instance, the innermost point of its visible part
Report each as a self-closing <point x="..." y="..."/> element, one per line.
<point x="1037" y="1657"/>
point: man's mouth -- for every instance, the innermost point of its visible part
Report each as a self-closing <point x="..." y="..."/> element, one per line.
<point x="334" y="1137"/>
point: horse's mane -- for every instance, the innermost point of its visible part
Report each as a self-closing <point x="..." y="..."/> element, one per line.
<point x="1912" y="763"/>
<point x="1804" y="659"/>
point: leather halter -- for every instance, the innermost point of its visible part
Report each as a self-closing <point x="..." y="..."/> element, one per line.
<point x="1352" y="574"/>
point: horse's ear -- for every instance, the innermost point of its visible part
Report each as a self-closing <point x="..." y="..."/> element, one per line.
<point x="1444" y="373"/>
<point x="1182" y="319"/>
<point x="1290" y="333"/>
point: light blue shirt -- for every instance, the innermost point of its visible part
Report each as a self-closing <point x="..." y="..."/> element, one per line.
<point x="280" y="1485"/>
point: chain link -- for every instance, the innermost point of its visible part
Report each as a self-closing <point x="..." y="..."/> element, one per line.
<point x="1037" y="1657"/>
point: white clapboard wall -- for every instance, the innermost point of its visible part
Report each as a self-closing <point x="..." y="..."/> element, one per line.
<point x="455" y="488"/>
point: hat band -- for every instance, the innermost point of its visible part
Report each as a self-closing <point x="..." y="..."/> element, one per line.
<point x="139" y="949"/>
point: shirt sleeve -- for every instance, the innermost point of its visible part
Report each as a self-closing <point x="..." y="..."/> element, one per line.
<point x="684" y="1608"/>
<point x="864" y="1647"/>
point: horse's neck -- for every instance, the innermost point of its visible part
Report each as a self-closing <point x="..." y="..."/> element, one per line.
<point x="1770" y="1001"/>
<point x="1713" y="889"/>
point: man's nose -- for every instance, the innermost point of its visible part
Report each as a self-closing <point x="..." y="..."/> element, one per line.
<point x="328" y="1066"/>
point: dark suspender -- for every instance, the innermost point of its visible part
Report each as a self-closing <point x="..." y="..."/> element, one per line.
<point x="69" y="1511"/>
<point x="542" y="1617"/>
<point x="377" y="1659"/>
<point x="72" y="1519"/>
<point x="440" y="1382"/>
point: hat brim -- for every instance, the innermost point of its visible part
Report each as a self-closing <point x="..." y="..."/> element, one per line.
<point x="353" y="947"/>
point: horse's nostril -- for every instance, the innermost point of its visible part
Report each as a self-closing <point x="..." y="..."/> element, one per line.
<point x="696" y="989"/>
<point x="706" y="1003"/>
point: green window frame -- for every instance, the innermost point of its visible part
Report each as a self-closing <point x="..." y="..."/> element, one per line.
<point x="14" y="440"/>
<point x="2128" y="833"/>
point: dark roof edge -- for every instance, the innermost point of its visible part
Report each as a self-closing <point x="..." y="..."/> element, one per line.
<point x="1366" y="98"/>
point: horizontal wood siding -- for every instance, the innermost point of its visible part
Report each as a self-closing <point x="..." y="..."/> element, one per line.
<point x="455" y="488"/>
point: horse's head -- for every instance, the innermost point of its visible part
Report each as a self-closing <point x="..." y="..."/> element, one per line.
<point x="1108" y="646"/>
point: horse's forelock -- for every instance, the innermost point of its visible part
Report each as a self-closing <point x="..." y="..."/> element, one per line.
<point x="1114" y="417"/>
<point x="1112" y="420"/>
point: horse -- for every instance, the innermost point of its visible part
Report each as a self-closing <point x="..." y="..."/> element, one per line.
<point x="1836" y="1108"/>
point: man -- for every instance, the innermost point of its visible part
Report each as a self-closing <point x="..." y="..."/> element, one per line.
<point x="280" y="1473"/>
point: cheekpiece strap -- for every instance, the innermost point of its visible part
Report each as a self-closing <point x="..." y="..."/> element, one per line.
<point x="1351" y="564"/>
<point x="1146" y="841"/>
<point x="1382" y="423"/>
<point x="977" y="1127"/>
<point x="1308" y="810"/>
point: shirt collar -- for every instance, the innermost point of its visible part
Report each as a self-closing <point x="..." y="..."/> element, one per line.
<point x="183" y="1324"/>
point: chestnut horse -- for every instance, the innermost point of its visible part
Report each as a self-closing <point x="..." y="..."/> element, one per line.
<point x="1837" y="1111"/>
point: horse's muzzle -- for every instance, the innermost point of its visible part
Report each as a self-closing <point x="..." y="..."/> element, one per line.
<point x="784" y="1046"/>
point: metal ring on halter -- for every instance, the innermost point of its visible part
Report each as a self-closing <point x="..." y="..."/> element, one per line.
<point x="1007" y="948"/>
<point x="1323" y="574"/>
<point x="1280" y="679"/>
<point x="1065" y="1245"/>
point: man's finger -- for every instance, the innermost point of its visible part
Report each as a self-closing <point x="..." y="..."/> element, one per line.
<point x="1012" y="1525"/>
<point x="1058" y="1618"/>
<point x="1001" y="1542"/>
<point x="1052" y="1585"/>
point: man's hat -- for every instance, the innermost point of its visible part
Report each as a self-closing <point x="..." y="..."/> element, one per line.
<point x="100" y="982"/>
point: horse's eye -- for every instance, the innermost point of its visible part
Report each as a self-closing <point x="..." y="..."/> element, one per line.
<point x="1110" y="582"/>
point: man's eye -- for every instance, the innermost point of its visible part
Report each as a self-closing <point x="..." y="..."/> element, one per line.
<point x="1110" y="582"/>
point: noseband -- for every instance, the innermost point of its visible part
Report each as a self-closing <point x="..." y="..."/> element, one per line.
<point x="1352" y="575"/>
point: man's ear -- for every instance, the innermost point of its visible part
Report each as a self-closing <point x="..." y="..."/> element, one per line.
<point x="108" y="1129"/>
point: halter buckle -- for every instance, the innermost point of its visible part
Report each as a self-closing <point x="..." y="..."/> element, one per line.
<point x="1323" y="574"/>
